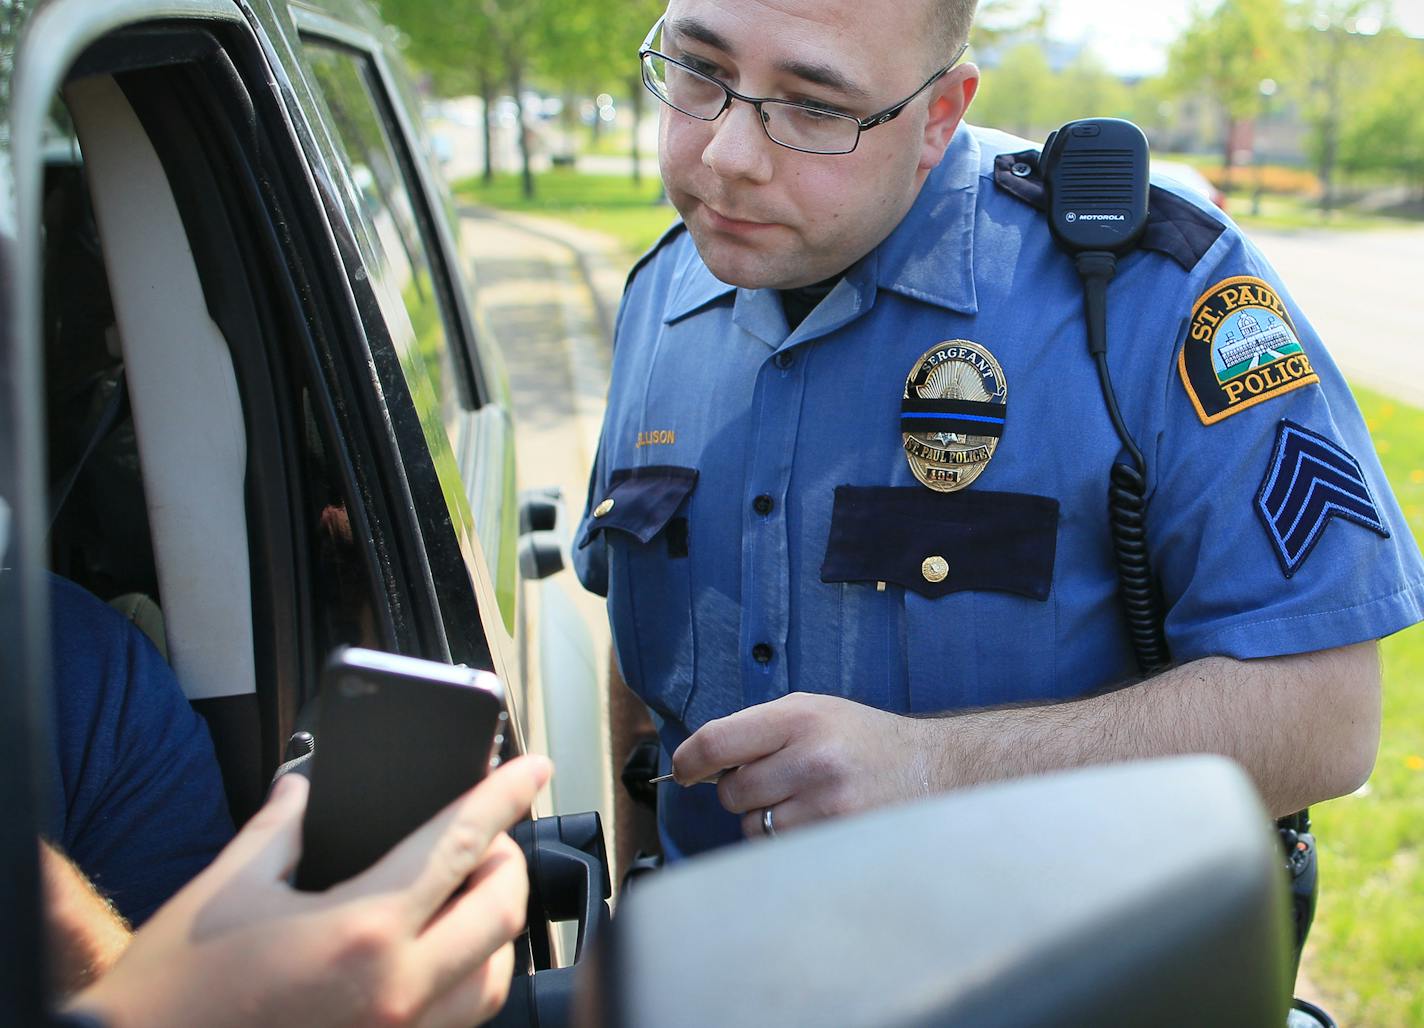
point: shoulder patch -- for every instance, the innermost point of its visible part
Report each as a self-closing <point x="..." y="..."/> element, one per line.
<point x="1174" y="227"/>
<point x="1241" y="349"/>
<point x="677" y="228"/>
<point x="1309" y="481"/>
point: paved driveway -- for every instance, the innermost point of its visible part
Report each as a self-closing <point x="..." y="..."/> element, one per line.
<point x="1364" y="293"/>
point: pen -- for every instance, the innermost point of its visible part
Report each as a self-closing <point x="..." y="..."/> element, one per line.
<point x="706" y="781"/>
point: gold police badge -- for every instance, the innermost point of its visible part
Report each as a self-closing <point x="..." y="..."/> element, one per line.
<point x="952" y="414"/>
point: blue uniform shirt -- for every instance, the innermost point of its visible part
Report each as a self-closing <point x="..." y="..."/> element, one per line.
<point x="138" y="799"/>
<point x="765" y="533"/>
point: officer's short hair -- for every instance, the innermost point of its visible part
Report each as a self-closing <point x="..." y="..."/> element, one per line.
<point x="950" y="22"/>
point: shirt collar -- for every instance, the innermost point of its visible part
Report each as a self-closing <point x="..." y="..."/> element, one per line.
<point x="697" y="287"/>
<point x="929" y="256"/>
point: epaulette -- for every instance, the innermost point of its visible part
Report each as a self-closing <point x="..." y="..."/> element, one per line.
<point x="1174" y="226"/>
<point x="674" y="230"/>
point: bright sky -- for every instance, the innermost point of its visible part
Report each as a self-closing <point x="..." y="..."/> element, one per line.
<point x="1132" y="36"/>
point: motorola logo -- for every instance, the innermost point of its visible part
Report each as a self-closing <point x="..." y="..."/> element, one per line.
<point x="1073" y="216"/>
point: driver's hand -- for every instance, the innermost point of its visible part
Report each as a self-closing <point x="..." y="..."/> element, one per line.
<point x="423" y="937"/>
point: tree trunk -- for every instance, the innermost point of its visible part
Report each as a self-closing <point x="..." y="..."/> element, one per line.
<point x="568" y="122"/>
<point x="487" y="99"/>
<point x="1228" y="154"/>
<point x="1330" y="125"/>
<point x="637" y="99"/>
<point x="526" y="171"/>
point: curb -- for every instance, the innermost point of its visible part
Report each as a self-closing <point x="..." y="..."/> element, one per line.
<point x="585" y="258"/>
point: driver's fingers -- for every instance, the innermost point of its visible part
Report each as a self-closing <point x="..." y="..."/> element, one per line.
<point x="434" y="860"/>
<point x="270" y="843"/>
<point x="486" y="913"/>
<point x="477" y="997"/>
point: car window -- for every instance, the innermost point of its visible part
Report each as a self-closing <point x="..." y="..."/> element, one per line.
<point x="413" y="291"/>
<point x="405" y="285"/>
<point x="296" y="513"/>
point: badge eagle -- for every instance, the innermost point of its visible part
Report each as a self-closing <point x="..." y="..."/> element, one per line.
<point x="952" y="414"/>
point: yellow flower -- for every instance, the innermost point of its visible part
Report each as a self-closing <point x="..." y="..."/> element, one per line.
<point x="1417" y="476"/>
<point x="1414" y="762"/>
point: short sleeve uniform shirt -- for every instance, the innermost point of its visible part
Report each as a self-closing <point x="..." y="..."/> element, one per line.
<point x="756" y="526"/>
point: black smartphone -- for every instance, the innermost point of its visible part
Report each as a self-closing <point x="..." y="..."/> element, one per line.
<point x="396" y="740"/>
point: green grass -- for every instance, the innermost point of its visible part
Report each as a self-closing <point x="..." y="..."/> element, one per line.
<point x="1297" y="212"/>
<point x="611" y="142"/>
<point x="610" y="204"/>
<point x="1366" y="952"/>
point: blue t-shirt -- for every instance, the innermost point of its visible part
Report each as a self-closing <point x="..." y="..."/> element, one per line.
<point x="758" y="528"/>
<point x="138" y="800"/>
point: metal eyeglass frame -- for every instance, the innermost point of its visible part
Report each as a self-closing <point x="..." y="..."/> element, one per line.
<point x="862" y="124"/>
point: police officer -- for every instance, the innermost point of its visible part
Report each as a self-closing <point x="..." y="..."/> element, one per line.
<point x="849" y="508"/>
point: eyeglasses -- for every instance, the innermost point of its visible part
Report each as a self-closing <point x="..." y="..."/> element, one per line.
<point x="796" y="126"/>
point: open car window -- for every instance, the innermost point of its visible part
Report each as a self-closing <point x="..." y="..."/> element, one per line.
<point x="419" y="300"/>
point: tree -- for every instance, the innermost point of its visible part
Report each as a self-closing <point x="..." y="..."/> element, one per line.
<point x="1086" y="89"/>
<point x="1385" y="130"/>
<point x="999" y="22"/>
<point x="1225" y="53"/>
<point x="466" y="44"/>
<point x="1337" y="38"/>
<point x="453" y="45"/>
<point x="592" y="46"/>
<point x="1017" y="95"/>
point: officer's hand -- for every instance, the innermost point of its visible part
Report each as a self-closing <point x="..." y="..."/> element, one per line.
<point x="807" y="757"/>
<point x="423" y="937"/>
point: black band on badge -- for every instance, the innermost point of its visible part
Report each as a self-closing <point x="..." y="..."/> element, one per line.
<point x="965" y="417"/>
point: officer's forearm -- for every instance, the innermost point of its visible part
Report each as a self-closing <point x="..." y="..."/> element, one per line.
<point x="1305" y="727"/>
<point x="628" y="721"/>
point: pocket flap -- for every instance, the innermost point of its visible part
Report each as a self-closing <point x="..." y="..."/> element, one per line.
<point x="1004" y="542"/>
<point x="640" y="501"/>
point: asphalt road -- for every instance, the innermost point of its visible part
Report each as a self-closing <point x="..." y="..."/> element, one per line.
<point x="1364" y="294"/>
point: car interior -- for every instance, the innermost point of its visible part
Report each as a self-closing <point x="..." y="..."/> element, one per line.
<point x="266" y="439"/>
<point x="204" y="475"/>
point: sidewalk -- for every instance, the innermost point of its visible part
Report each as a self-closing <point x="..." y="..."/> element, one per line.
<point x="1360" y="292"/>
<point x="533" y="298"/>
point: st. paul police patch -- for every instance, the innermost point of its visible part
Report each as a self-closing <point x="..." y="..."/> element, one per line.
<point x="1309" y="481"/>
<point x="1241" y="350"/>
<point x="952" y="413"/>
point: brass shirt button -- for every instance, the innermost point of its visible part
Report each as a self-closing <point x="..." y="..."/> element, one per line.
<point x="603" y="508"/>
<point x="935" y="569"/>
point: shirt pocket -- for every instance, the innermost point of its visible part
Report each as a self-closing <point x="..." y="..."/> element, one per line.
<point x="975" y="571"/>
<point x="643" y="516"/>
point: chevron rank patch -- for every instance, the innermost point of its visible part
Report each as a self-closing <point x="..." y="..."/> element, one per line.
<point x="1241" y="350"/>
<point x="1311" y="480"/>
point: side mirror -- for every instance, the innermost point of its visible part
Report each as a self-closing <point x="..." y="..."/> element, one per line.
<point x="1143" y="893"/>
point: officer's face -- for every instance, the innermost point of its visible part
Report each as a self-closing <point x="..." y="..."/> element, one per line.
<point x="766" y="216"/>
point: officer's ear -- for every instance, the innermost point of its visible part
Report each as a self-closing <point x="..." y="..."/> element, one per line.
<point x="950" y="97"/>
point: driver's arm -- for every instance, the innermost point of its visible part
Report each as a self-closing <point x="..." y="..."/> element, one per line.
<point x="84" y="934"/>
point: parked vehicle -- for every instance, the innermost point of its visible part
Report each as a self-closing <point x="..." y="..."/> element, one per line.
<point x="271" y="409"/>
<point x="1190" y="179"/>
